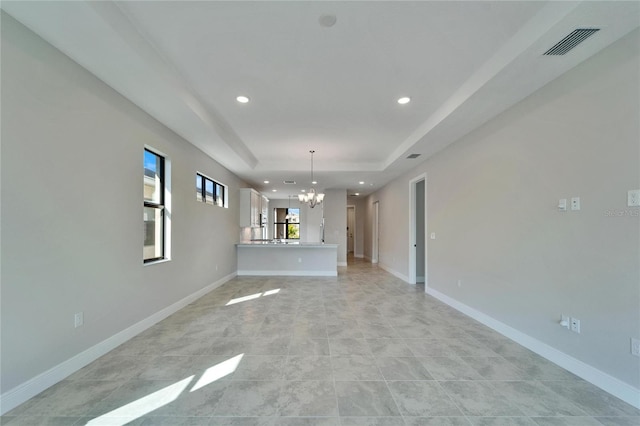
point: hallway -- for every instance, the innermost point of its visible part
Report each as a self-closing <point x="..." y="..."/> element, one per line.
<point x="364" y="348"/>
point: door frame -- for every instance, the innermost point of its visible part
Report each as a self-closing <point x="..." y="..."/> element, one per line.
<point x="352" y="231"/>
<point x="412" y="228"/>
<point x="375" y="233"/>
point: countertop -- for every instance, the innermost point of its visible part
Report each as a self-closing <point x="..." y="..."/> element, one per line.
<point x="288" y="244"/>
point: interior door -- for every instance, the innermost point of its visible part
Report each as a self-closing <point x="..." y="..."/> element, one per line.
<point x="351" y="229"/>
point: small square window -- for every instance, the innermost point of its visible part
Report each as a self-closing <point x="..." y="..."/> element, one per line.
<point x="210" y="191"/>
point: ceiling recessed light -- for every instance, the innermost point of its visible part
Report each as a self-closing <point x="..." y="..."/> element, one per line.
<point x="302" y="190"/>
<point x="361" y="182"/>
<point x="242" y="99"/>
<point x="357" y="193"/>
<point x="327" y="21"/>
<point x="404" y="100"/>
<point x="266" y="181"/>
<point x="274" y="190"/>
<point x="314" y="183"/>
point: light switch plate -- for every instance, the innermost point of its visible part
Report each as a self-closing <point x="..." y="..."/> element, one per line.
<point x="562" y="205"/>
<point x="635" y="346"/>
<point x="78" y="319"/>
<point x="565" y="321"/>
<point x="633" y="198"/>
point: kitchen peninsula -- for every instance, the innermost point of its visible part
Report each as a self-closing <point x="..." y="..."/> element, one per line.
<point x="287" y="258"/>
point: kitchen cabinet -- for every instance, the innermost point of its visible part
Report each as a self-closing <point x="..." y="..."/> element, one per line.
<point x="250" y="208"/>
<point x="264" y="216"/>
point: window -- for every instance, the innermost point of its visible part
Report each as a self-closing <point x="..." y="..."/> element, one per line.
<point x="210" y="191"/>
<point x="287" y="224"/>
<point x="154" y="207"/>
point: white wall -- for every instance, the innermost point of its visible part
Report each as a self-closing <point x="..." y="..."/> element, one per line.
<point x="312" y="222"/>
<point x="393" y="232"/>
<point x="335" y="221"/>
<point x="492" y="197"/>
<point x="71" y="218"/>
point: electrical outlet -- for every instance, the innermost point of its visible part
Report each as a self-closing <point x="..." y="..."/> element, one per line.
<point x="459" y="283"/>
<point x="635" y="346"/>
<point x="575" y="325"/>
<point x="299" y="260"/>
<point x="633" y="198"/>
<point x="78" y="319"/>
<point x="575" y="203"/>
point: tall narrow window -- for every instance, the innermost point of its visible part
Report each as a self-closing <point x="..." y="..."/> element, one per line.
<point x="154" y="207"/>
<point x="198" y="187"/>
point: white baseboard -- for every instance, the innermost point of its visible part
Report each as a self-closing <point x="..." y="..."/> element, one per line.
<point x="394" y="272"/>
<point x="27" y="390"/>
<point x="604" y="381"/>
<point x="289" y="273"/>
<point x="359" y="256"/>
<point x="342" y="263"/>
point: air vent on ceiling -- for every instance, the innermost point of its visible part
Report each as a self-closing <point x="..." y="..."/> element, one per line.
<point x="414" y="156"/>
<point x="289" y="182"/>
<point x="572" y="40"/>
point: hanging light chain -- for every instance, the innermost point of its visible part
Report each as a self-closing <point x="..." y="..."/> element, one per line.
<point x="312" y="152"/>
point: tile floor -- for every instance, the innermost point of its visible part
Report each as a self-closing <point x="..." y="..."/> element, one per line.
<point x="362" y="349"/>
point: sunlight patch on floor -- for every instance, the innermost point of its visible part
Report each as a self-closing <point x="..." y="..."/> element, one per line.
<point x="153" y="401"/>
<point x="251" y="297"/>
<point x="144" y="405"/>
<point x="217" y="372"/>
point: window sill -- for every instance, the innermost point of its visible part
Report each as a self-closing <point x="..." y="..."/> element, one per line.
<point x="155" y="262"/>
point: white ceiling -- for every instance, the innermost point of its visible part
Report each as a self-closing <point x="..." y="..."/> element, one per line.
<point x="332" y="89"/>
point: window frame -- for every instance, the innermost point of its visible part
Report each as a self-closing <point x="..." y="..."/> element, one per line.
<point x="286" y="222"/>
<point x="160" y="206"/>
<point x="220" y="191"/>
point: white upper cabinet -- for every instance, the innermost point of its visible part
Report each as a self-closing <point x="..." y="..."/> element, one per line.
<point x="251" y="208"/>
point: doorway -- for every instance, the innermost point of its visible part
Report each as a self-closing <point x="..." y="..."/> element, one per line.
<point x="351" y="229"/>
<point x="418" y="230"/>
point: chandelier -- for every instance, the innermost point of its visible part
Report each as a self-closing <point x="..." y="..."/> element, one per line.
<point x="311" y="197"/>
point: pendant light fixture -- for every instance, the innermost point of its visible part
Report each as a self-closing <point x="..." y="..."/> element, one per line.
<point x="289" y="216"/>
<point x="312" y="198"/>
